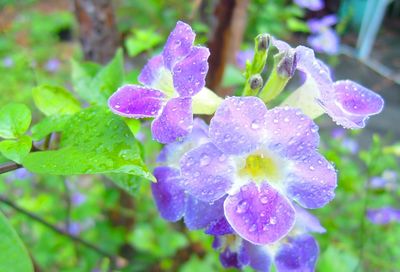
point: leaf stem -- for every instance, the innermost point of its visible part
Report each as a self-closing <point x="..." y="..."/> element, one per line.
<point x="9" y="166"/>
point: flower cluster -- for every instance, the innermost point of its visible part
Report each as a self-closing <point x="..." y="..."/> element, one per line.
<point x="247" y="176"/>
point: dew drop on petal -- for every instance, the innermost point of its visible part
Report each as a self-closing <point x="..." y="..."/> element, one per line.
<point x="242" y="207"/>
<point x="253" y="228"/>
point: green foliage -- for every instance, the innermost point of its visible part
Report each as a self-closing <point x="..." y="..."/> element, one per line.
<point x="49" y="124"/>
<point x="14" y="120"/>
<point x="54" y="100"/>
<point x="13" y="253"/>
<point x="333" y="259"/>
<point x="95" y="84"/>
<point x="16" y="150"/>
<point x="94" y="141"/>
<point x="142" y="40"/>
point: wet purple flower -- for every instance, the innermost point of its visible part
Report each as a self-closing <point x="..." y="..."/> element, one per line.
<point x="310" y="4"/>
<point x="297" y="252"/>
<point x="327" y="41"/>
<point x="243" y="56"/>
<point x="383" y="216"/>
<point x="346" y="102"/>
<point x="351" y="145"/>
<point x="260" y="159"/>
<point x="52" y="65"/>
<point x="8" y="62"/>
<point x="170" y="81"/>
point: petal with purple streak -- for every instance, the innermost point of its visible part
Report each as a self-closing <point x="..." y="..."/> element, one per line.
<point x="258" y="257"/>
<point x="259" y="215"/>
<point x="353" y="104"/>
<point x="229" y="258"/>
<point x="312" y="181"/>
<point x="178" y="45"/>
<point x="239" y="125"/>
<point x="300" y="253"/>
<point x="207" y="172"/>
<point x="169" y="197"/>
<point x="290" y="131"/>
<point x="219" y="227"/>
<point x="200" y="214"/>
<point x="151" y="71"/>
<point x="175" y="121"/>
<point x="136" y="101"/>
<point x="189" y="74"/>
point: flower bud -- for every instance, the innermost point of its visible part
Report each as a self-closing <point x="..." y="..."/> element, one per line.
<point x="263" y="42"/>
<point x="256" y="82"/>
<point x="287" y="64"/>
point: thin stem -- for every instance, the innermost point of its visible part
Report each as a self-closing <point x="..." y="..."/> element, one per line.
<point x="68" y="202"/>
<point x="55" y="228"/>
<point x="8" y="167"/>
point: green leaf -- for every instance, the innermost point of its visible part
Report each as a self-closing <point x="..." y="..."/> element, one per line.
<point x="297" y="25"/>
<point x="54" y="100"/>
<point x="133" y="124"/>
<point x="13" y="252"/>
<point x="55" y="123"/>
<point x="97" y="85"/>
<point x="142" y="40"/>
<point x="15" y="119"/>
<point x="16" y="150"/>
<point x="126" y="182"/>
<point x="93" y="141"/>
<point x="333" y="259"/>
<point x="3" y="159"/>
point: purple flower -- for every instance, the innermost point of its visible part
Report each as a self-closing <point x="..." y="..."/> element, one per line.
<point x="74" y="228"/>
<point x="388" y="181"/>
<point x="77" y="198"/>
<point x="259" y="159"/>
<point x="243" y="56"/>
<point x="346" y="102"/>
<point x="317" y="25"/>
<point x="326" y="41"/>
<point x="310" y="4"/>
<point x="52" y="65"/>
<point x="350" y="145"/>
<point x="383" y="216"/>
<point x="8" y="62"/>
<point x="170" y="81"/>
<point x="297" y="252"/>
<point x="338" y="133"/>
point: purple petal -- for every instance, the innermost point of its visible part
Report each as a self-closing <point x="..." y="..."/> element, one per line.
<point x="243" y="56"/>
<point x="259" y="257"/>
<point x="171" y="153"/>
<point x="219" y="227"/>
<point x="312" y="181"/>
<point x="317" y="25"/>
<point x="259" y="215"/>
<point x="175" y="121"/>
<point x="313" y="5"/>
<point x="199" y="214"/>
<point x="151" y="71"/>
<point x="189" y="74"/>
<point x="299" y="254"/>
<point x="239" y="125"/>
<point x="326" y="41"/>
<point x="307" y="221"/>
<point x="168" y="195"/>
<point x="383" y="215"/>
<point x="178" y="45"/>
<point x="353" y="104"/>
<point x="229" y="258"/>
<point x="135" y="101"/>
<point x="291" y="131"/>
<point x="207" y="172"/>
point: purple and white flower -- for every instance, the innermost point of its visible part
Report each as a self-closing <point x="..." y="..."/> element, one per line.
<point x="383" y="216"/>
<point x="326" y="41"/>
<point x="346" y="102"/>
<point x="259" y="160"/>
<point x="170" y="80"/>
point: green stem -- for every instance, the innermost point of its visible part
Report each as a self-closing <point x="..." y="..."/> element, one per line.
<point x="273" y="87"/>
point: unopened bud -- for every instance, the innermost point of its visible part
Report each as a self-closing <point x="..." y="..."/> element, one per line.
<point x="256" y="82"/>
<point x="287" y="64"/>
<point x="263" y="41"/>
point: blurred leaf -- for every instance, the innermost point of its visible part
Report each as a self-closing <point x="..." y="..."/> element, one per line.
<point x="3" y="159"/>
<point x="54" y="100"/>
<point x="333" y="259"/>
<point x="96" y="85"/>
<point x="55" y="123"/>
<point x="16" y="150"/>
<point x="13" y="252"/>
<point x="129" y="183"/>
<point x="14" y="120"/>
<point x="232" y="77"/>
<point x="133" y="124"/>
<point x="297" y="25"/>
<point x="93" y="141"/>
<point x="142" y="40"/>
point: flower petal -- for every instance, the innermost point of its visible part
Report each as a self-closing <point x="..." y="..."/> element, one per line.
<point x="383" y="215"/>
<point x="178" y="45"/>
<point x="229" y="258"/>
<point x="291" y="132"/>
<point x="219" y="227"/>
<point x="312" y="181"/>
<point x="168" y="195"/>
<point x="239" y="125"/>
<point x="175" y="121"/>
<point x="207" y="172"/>
<point x="189" y="74"/>
<point x="259" y="215"/>
<point x="299" y="254"/>
<point x="199" y="214"/>
<point x="135" y="101"/>
<point x="151" y="71"/>
<point x="353" y="104"/>
<point x="307" y="221"/>
<point x="259" y="257"/>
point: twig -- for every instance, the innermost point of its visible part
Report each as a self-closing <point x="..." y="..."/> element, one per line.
<point x="9" y="166"/>
<point x="55" y="228"/>
<point x="68" y="202"/>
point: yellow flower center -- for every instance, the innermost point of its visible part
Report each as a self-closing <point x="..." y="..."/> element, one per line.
<point x="260" y="166"/>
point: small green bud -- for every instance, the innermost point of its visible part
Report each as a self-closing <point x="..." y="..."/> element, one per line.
<point x="263" y="42"/>
<point x="256" y="82"/>
<point x="287" y="64"/>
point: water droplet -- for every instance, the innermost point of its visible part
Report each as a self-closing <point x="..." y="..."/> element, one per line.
<point x="264" y="199"/>
<point x="196" y="174"/>
<point x="276" y="121"/>
<point x="204" y="160"/>
<point x="242" y="206"/>
<point x="272" y="220"/>
<point x="255" y="125"/>
<point x="286" y="119"/>
<point x="117" y="106"/>
<point x="253" y="228"/>
<point x="312" y="168"/>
